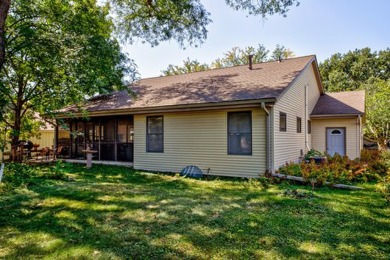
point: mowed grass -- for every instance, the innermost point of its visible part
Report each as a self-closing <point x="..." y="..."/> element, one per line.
<point x="112" y="212"/>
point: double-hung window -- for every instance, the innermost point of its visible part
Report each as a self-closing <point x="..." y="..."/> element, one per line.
<point x="240" y="133"/>
<point x="155" y="134"/>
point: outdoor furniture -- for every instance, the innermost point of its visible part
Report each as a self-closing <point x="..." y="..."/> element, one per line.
<point x="57" y="152"/>
<point x="45" y="153"/>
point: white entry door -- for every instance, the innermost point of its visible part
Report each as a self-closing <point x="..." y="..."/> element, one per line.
<point x="335" y="141"/>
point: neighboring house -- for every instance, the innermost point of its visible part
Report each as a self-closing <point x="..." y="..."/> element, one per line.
<point x="236" y="121"/>
<point x="46" y="136"/>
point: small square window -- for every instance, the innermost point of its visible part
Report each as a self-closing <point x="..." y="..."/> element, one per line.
<point x="282" y="122"/>
<point x="299" y="125"/>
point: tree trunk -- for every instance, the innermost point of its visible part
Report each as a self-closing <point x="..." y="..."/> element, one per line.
<point x="4" y="7"/>
<point x="15" y="136"/>
<point x="17" y="122"/>
<point x="382" y="145"/>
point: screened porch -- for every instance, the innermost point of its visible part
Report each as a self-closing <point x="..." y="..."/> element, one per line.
<point x="112" y="137"/>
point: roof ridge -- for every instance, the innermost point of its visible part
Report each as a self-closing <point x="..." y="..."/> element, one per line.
<point x="214" y="69"/>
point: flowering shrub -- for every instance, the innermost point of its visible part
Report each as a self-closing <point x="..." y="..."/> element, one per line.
<point x="372" y="166"/>
<point x="378" y="161"/>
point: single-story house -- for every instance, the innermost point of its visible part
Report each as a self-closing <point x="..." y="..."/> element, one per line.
<point x="237" y="121"/>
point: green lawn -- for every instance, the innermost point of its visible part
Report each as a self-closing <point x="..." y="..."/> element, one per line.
<point x="118" y="213"/>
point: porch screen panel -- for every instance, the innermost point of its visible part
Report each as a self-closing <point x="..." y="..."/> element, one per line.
<point x="155" y="134"/>
<point x="80" y="140"/>
<point x="108" y="130"/>
<point x="240" y="133"/>
<point x="125" y="152"/>
<point x="122" y="130"/>
<point x="107" y="152"/>
<point x="89" y="132"/>
<point x="107" y="135"/>
<point x="124" y="139"/>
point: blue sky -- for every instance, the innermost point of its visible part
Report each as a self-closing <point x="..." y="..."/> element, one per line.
<point x="321" y="27"/>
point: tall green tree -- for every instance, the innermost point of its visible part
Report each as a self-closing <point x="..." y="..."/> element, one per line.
<point x="234" y="57"/>
<point x="59" y="52"/>
<point x="237" y="56"/>
<point x="154" y="21"/>
<point x="187" y="67"/>
<point x="351" y="70"/>
<point x="280" y="52"/>
<point x="370" y="71"/>
<point x="377" y="127"/>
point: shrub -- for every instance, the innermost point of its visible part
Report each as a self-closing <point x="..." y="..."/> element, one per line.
<point x="18" y="174"/>
<point x="291" y="168"/>
<point x="384" y="187"/>
<point x="313" y="153"/>
<point x="378" y="161"/>
<point x="24" y="175"/>
<point x="336" y="169"/>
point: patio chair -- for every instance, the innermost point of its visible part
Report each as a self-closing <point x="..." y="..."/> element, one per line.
<point x="45" y="153"/>
<point x="57" y="152"/>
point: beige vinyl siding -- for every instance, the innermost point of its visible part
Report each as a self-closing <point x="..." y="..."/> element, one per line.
<point x="46" y="139"/>
<point x="352" y="134"/>
<point x="200" y="138"/>
<point x="288" y="145"/>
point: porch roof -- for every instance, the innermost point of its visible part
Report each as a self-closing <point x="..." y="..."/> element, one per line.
<point x="340" y="103"/>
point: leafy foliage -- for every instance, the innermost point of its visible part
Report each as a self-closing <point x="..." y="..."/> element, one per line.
<point x="59" y="52"/>
<point x="263" y="7"/>
<point x="234" y="57"/>
<point x="377" y="125"/>
<point x="18" y="175"/>
<point x="281" y="52"/>
<point x="188" y="67"/>
<point x="372" y="166"/>
<point x="343" y="72"/>
<point x="384" y="187"/>
<point x="154" y="21"/>
<point x="313" y="153"/>
<point x="365" y="70"/>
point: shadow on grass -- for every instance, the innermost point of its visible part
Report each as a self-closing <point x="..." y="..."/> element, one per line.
<point x="116" y="212"/>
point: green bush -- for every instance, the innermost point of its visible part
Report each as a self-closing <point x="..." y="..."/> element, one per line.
<point x="384" y="187"/>
<point x="340" y="169"/>
<point x="313" y="153"/>
<point x="24" y="175"/>
<point x="378" y="161"/>
<point x="293" y="169"/>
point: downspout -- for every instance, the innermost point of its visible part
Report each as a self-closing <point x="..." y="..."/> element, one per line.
<point x="306" y="118"/>
<point x="268" y="140"/>
<point x="359" y="132"/>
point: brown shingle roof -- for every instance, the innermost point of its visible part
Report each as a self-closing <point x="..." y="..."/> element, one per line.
<point x="265" y="80"/>
<point x="340" y="103"/>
